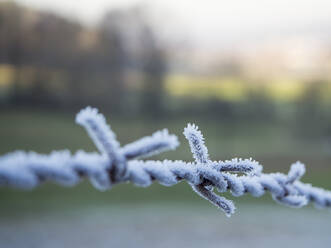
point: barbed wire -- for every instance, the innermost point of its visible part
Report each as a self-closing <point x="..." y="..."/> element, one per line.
<point x="114" y="164"/>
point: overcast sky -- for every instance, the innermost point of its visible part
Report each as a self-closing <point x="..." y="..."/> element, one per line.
<point x="216" y="20"/>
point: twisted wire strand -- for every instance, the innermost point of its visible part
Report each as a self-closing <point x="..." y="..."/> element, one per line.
<point x="115" y="164"/>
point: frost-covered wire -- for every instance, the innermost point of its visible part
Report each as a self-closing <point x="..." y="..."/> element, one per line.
<point x="115" y="164"/>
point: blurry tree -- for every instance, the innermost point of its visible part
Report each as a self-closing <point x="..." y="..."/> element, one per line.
<point x="113" y="59"/>
<point x="311" y="120"/>
<point x="136" y="48"/>
<point x="57" y="61"/>
<point x="49" y="51"/>
<point x="154" y="67"/>
<point x="36" y="44"/>
<point x="11" y="41"/>
<point x="127" y="42"/>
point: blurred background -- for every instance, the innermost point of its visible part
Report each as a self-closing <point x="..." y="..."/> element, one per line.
<point x="255" y="76"/>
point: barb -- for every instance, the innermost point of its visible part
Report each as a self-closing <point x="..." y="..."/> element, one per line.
<point x="116" y="165"/>
<point x="206" y="171"/>
<point x="159" y="142"/>
<point x="197" y="143"/>
<point x="104" y="139"/>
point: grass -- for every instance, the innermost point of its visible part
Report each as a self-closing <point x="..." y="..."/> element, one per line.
<point x="237" y="88"/>
<point x="46" y="131"/>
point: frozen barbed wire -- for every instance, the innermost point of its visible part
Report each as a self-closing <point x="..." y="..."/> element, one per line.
<point x="115" y="164"/>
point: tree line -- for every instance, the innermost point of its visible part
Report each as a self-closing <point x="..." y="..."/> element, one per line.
<point x="61" y="63"/>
